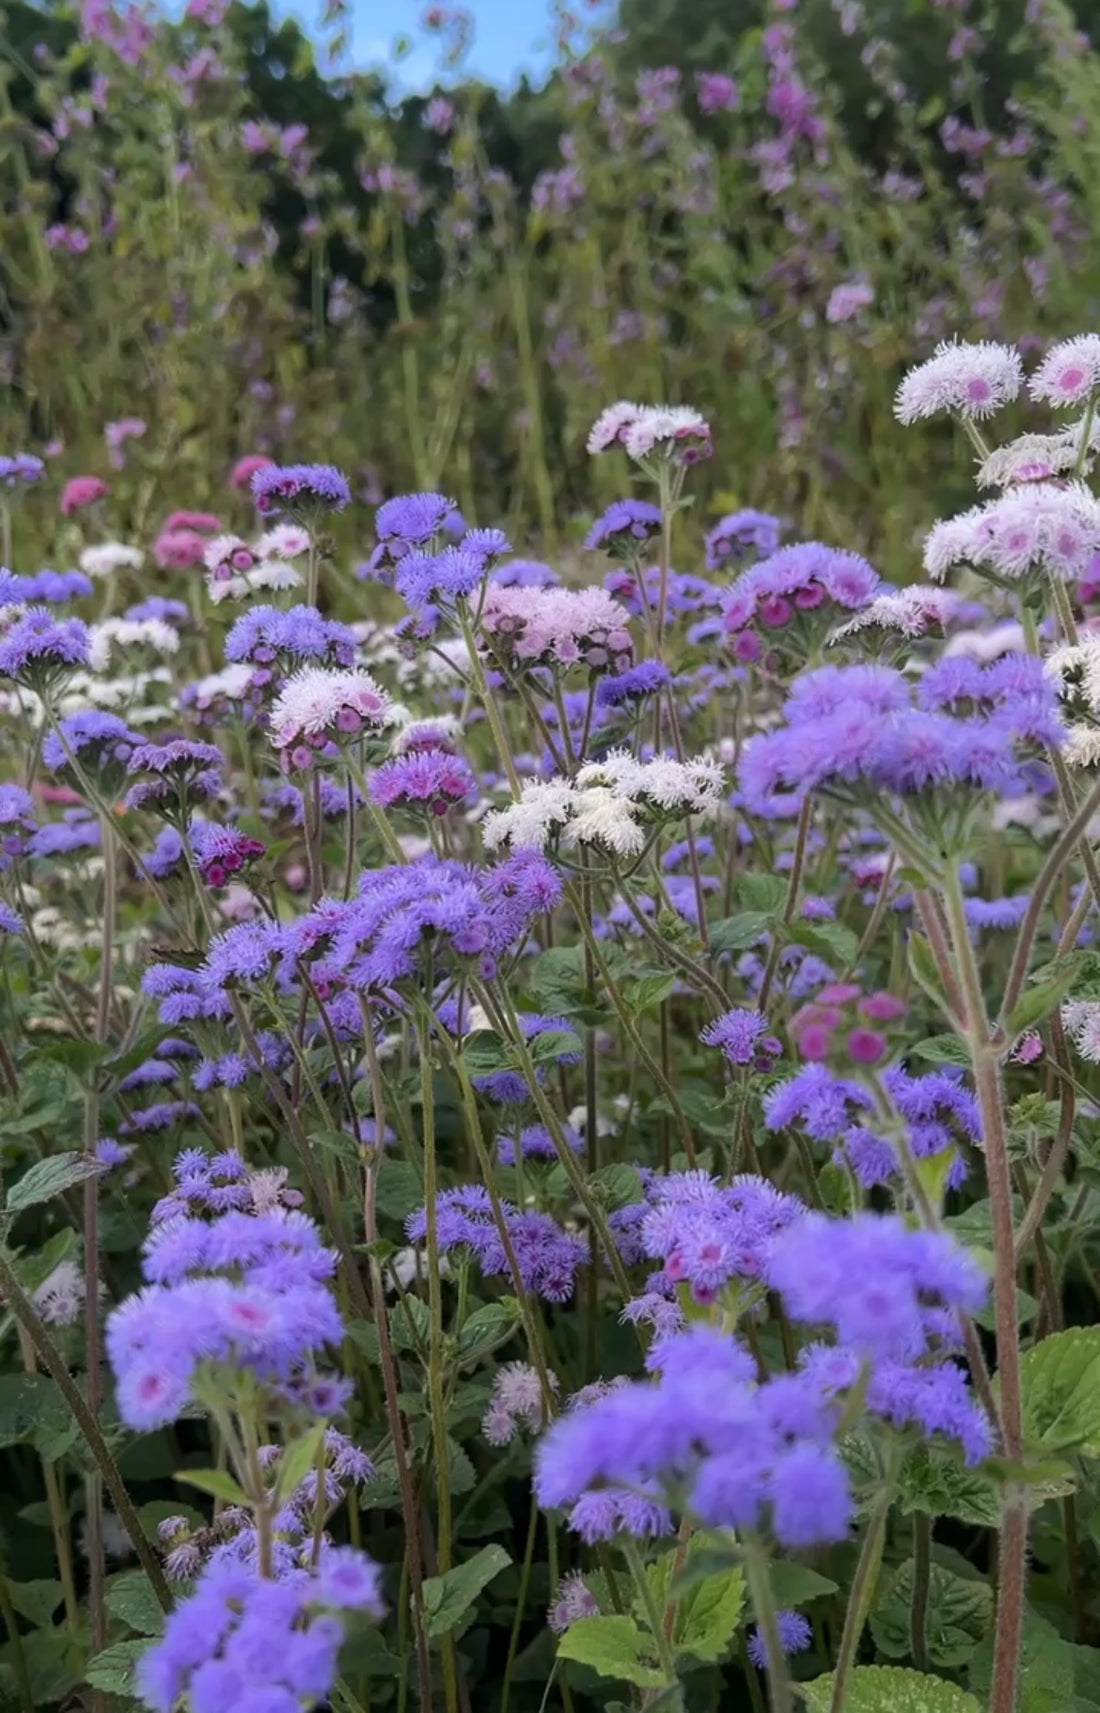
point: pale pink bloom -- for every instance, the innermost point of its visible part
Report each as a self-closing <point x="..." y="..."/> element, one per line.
<point x="227" y="554"/>
<point x="285" y="541"/>
<point x="846" y="301"/>
<point x="1070" y="371"/>
<point x="1049" y="524"/>
<point x="515" y="1401"/>
<point x="1081" y="1022"/>
<point x="912" y="612"/>
<point x="316" y="704"/>
<point x="572" y="1600"/>
<point x="611" y="424"/>
<point x="1030" y="458"/>
<point x="245" y="468"/>
<point x="545" y="627"/>
<point x="668" y="429"/>
<point x="969" y="381"/>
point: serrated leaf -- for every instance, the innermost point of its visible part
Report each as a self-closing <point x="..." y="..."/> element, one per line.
<point x="112" y="1671"/>
<point x="410" y="1324"/>
<point x="400" y="1189"/>
<point x="960" y="1611"/>
<point x="51" y="1177"/>
<point x="614" y="1647"/>
<point x="708" y="1616"/>
<point x="890" y="1689"/>
<point x="32" y="1408"/>
<point x="617" y="1185"/>
<point x="649" y="992"/>
<point x="485" y="1052"/>
<point x="553" y="1044"/>
<point x="1060" y="1383"/>
<point x="448" y="1598"/>
<point x="131" y="1598"/>
<point x="941" y="1486"/>
<point x="217" y="1482"/>
<point x="339" y="1144"/>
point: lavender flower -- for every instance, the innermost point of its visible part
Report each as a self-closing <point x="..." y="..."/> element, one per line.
<point x="300" y="488"/>
<point x="17" y="820"/>
<point x="41" y="651"/>
<point x="429" y="781"/>
<point x="795" y="1636"/>
<point x="742" y="535"/>
<point x="624" y="525"/>
<point x="20" y="468"/>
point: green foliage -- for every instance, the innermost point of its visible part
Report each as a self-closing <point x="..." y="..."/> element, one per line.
<point x="1060" y="1380"/>
<point x="614" y="1646"/>
<point x="959" y="1612"/>
<point x="449" y="1598"/>
<point x="890" y="1689"/>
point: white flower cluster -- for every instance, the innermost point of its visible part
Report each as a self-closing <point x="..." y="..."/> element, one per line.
<point x="643" y="429"/>
<point x="1081" y="1022"/>
<point x="109" y="634"/>
<point x="1077" y="670"/>
<point x="1037" y="457"/>
<point x="109" y="557"/>
<point x="610" y="803"/>
<point x="316" y="705"/>
<point x="911" y="612"/>
<point x="968" y="381"/>
<point x="236" y="570"/>
<point x="1048" y="524"/>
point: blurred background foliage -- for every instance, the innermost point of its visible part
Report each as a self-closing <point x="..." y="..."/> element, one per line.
<point x="214" y="227"/>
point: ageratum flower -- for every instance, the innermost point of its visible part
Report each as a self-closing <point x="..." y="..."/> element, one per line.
<point x="1048" y="528"/>
<point x="779" y="593"/>
<point x="968" y="381"/>
<point x="102" y="744"/>
<point x="20" y="469"/>
<point x="741" y="1452"/>
<point x="184" y="773"/>
<point x="316" y="707"/>
<point x="17" y="820"/>
<point x="55" y="586"/>
<point x="301" y="489"/>
<point x="860" y="731"/>
<point x="428" y="781"/>
<point x="609" y="803"/>
<point x="795" y="1636"/>
<point x="440" y="579"/>
<point x="558" y="628"/>
<point x="109" y="557"/>
<point x="673" y="432"/>
<point x="407" y="523"/>
<point x="40" y="651"/>
<point x="525" y="574"/>
<point x="634" y="686"/>
<point x="624" y="525"/>
<point x="742" y="535"/>
<point x="547" y="1256"/>
<point x="1069" y="373"/>
<point x="82" y="491"/>
<point x="248" y="1642"/>
<point x="267" y="637"/>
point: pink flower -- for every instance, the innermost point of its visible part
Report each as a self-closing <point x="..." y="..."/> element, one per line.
<point x="846" y="301"/>
<point x="1069" y="372"/>
<point x="245" y="468"/>
<point x="178" y="549"/>
<point x="82" y="491"/>
<point x="205" y="522"/>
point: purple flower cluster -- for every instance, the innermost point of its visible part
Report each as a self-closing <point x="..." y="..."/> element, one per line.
<point x="624" y="527"/>
<point x="740" y="536"/>
<point x="102" y="744"/>
<point x="20" y="467"/>
<point x="39" y="650"/>
<point x="547" y="1256"/>
<point x="266" y="637"/>
<point x="706" y="1234"/>
<point x="244" y="1643"/>
<point x="780" y="590"/>
<point x="184" y="773"/>
<point x="17" y="822"/>
<point x="860" y="730"/>
<point x="428" y="781"/>
<point x="45" y="585"/>
<point x="244" y="1291"/>
<point x="300" y="488"/>
<point x="407" y="523"/>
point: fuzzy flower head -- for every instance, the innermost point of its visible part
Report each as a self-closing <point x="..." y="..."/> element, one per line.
<point x="316" y="708"/>
<point x="649" y="433"/>
<point x="17" y="822"/>
<point x="108" y="557"/>
<point x="515" y="1402"/>
<point x="1069" y="373"/>
<point x="624" y="528"/>
<point x="610" y="804"/>
<point x="896" y="617"/>
<point x="39" y="651"/>
<point x="20" y="470"/>
<point x="80" y="492"/>
<point x="101" y="744"/>
<point x="427" y="781"/>
<point x="1034" y="529"/>
<point x="784" y="603"/>
<point x="967" y="381"/>
<point x="410" y="523"/>
<point x="181" y="774"/>
<point x="741" y="536"/>
<point x="302" y="490"/>
<point x="556" y="628"/>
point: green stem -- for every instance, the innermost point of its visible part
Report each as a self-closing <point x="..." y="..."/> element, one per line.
<point x="521" y="1602"/>
<point x="763" y="1604"/>
<point x="860" y="1597"/>
<point x="632" y="1553"/>
<point x="922" y="1571"/>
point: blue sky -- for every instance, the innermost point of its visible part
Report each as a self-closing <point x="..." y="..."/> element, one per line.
<point x="511" y="36"/>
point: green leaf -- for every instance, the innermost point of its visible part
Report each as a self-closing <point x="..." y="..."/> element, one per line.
<point x="217" y="1482"/>
<point x="795" y="1584"/>
<point x="35" y="1267"/>
<point x="553" y="1044"/>
<point x="960" y="1611"/>
<point x="36" y="1601"/>
<point x="615" y="1647"/>
<point x="940" y="1485"/>
<point x="617" y="1185"/>
<point x="649" y="991"/>
<point x="830" y="940"/>
<point x="708" y="1615"/>
<point x="339" y="1144"/>
<point x="942" y="1050"/>
<point x="448" y="1598"/>
<point x="297" y="1459"/>
<point x="1046" y="1668"/>
<point x="410" y="1324"/>
<point x="738" y="933"/>
<point x="485" y="1052"/>
<point x="764" y="892"/>
<point x="32" y="1408"/>
<point x="486" y="1328"/>
<point x="925" y="970"/>
<point x="1060" y="1381"/>
<point x="113" y="1670"/>
<point x="890" y="1689"/>
<point x="131" y="1598"/>
<point x="400" y="1189"/>
<point x="75" y="1054"/>
<point x="49" y="1178"/>
<point x="1037" y="1002"/>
